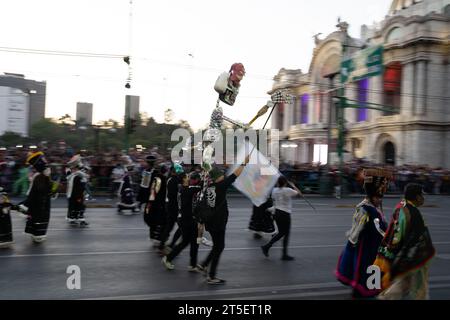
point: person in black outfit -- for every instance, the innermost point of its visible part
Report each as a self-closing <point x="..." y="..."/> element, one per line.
<point x="171" y="207"/>
<point x="217" y="224"/>
<point x="154" y="213"/>
<point x="37" y="204"/>
<point x="188" y="224"/>
<point x="261" y="221"/>
<point x="76" y="187"/>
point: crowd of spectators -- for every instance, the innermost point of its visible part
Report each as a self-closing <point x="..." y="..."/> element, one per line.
<point x="106" y="171"/>
<point x="309" y="176"/>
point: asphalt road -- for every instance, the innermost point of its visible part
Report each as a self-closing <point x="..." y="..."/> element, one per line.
<point x="117" y="261"/>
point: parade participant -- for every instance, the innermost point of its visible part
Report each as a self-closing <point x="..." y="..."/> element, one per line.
<point x="144" y="187"/>
<point x="85" y="169"/>
<point x="154" y="213"/>
<point x="171" y="203"/>
<point x="188" y="225"/>
<point x="76" y="186"/>
<point x="406" y="250"/>
<point x="261" y="221"/>
<point x="215" y="224"/>
<point x="6" y="236"/>
<point x="364" y="238"/>
<point x="37" y="204"/>
<point x="116" y="176"/>
<point x="125" y="192"/>
<point x="282" y="197"/>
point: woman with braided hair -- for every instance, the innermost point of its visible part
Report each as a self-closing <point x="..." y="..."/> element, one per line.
<point x="365" y="236"/>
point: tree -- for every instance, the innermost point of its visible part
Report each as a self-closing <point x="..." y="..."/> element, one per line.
<point x="10" y="139"/>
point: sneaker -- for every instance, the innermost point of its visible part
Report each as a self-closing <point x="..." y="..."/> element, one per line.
<point x="202" y="269"/>
<point x="38" y="239"/>
<point x="215" y="280"/>
<point x="6" y="244"/>
<point x="207" y="242"/>
<point x="287" y="258"/>
<point x="194" y="269"/>
<point x="265" y="250"/>
<point x="84" y="223"/>
<point x="167" y="264"/>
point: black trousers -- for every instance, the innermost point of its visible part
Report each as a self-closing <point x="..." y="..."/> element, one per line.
<point x="283" y="221"/>
<point x="171" y="219"/>
<point x="218" y="239"/>
<point x="178" y="233"/>
<point x="189" y="234"/>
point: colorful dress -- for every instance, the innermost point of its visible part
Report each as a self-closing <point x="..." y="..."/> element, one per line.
<point x="404" y="255"/>
<point x="364" y="238"/>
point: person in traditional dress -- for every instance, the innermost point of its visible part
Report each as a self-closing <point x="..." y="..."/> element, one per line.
<point x="154" y="213"/>
<point x="261" y="221"/>
<point x="406" y="250"/>
<point x="364" y="238"/>
<point x="37" y="204"/>
<point x="76" y="187"/>
<point x="144" y="187"/>
<point x="125" y="192"/>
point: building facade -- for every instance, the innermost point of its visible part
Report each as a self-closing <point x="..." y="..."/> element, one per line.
<point x="33" y="91"/>
<point x="84" y="113"/>
<point x="415" y="82"/>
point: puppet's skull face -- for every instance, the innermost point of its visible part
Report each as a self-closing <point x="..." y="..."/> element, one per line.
<point x="237" y="72"/>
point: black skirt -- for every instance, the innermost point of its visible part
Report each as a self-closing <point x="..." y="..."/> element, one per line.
<point x="261" y="220"/>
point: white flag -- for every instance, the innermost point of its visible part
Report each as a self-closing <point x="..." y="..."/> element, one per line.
<point x="258" y="177"/>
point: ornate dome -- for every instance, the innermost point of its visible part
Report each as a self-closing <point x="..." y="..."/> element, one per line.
<point x="398" y="5"/>
<point x="409" y="8"/>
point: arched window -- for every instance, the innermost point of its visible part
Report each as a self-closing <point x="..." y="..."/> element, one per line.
<point x="389" y="153"/>
<point x="392" y="80"/>
<point x="394" y="35"/>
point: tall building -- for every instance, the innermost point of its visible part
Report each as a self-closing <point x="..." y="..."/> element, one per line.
<point x="84" y="113"/>
<point x="414" y="81"/>
<point x="14" y="111"/>
<point x="22" y="102"/>
<point x="132" y="102"/>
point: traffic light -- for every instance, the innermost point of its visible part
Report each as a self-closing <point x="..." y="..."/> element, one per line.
<point x="126" y="60"/>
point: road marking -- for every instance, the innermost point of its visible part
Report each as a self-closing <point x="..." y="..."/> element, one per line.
<point x="206" y="292"/>
<point x="346" y="292"/>
<point x="228" y="228"/>
<point x="273" y="289"/>
<point x="150" y="251"/>
<point x="154" y="251"/>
